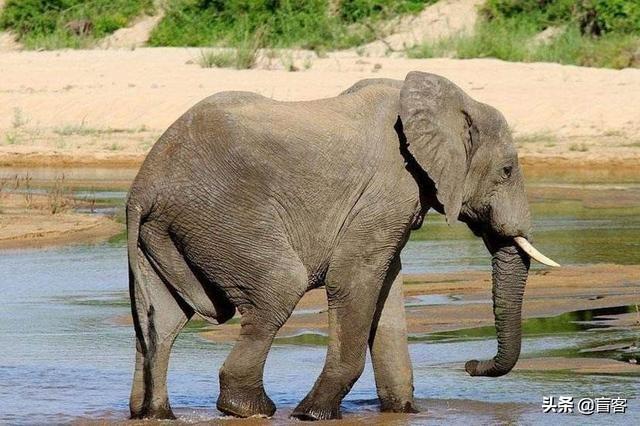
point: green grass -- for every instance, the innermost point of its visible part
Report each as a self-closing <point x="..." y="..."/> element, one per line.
<point x="514" y="42"/>
<point x="242" y="56"/>
<point x="503" y="40"/>
<point x="311" y="24"/>
<point x="507" y="29"/>
<point x="594" y="17"/>
<point x="216" y="59"/>
<point x="41" y="24"/>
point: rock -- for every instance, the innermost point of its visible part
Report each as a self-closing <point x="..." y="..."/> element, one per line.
<point x="80" y="27"/>
<point x="547" y="36"/>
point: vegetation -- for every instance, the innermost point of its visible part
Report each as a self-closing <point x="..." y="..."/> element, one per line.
<point x="52" y="24"/>
<point x="310" y="24"/>
<point x="243" y="55"/>
<point x="601" y="33"/>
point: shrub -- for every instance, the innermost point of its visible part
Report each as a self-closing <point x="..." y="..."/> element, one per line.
<point x="513" y="41"/>
<point x="243" y="56"/>
<point x="611" y="16"/>
<point x="506" y="40"/>
<point x="307" y="24"/>
<point x="214" y="59"/>
<point x="594" y="17"/>
<point x="42" y="23"/>
<point x="595" y="33"/>
<point x="357" y="10"/>
<point x="609" y="51"/>
<point x="540" y="13"/>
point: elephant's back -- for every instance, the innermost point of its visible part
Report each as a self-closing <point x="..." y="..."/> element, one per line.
<point x="240" y="142"/>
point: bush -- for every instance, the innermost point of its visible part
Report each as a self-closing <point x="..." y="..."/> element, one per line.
<point x="540" y="13"/>
<point x="357" y="10"/>
<point x="42" y="23"/>
<point x="597" y="33"/>
<point x="614" y="16"/>
<point x="512" y="40"/>
<point x="571" y="47"/>
<point x="243" y="56"/>
<point x="594" y="17"/>
<point x="307" y="24"/>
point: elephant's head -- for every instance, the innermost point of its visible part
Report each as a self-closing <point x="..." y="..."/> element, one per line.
<point x="465" y="153"/>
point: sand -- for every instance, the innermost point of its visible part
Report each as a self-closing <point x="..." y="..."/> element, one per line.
<point x="30" y="224"/>
<point x="133" y="36"/>
<point x="109" y="106"/>
<point x="548" y="293"/>
<point x="439" y="20"/>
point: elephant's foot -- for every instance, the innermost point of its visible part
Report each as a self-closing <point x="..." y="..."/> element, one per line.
<point x="392" y="405"/>
<point x="313" y="410"/>
<point x="245" y="403"/>
<point x="158" y="413"/>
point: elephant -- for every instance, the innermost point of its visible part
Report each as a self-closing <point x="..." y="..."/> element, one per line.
<point x="246" y="203"/>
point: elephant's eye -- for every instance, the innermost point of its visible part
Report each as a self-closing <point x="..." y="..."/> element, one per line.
<point x="506" y="171"/>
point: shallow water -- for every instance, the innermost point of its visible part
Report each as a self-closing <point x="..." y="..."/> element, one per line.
<point x="64" y="357"/>
<point x="578" y="224"/>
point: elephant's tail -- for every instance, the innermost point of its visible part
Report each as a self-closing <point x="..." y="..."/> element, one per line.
<point x="134" y="216"/>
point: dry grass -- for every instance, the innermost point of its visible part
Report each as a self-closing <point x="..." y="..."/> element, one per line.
<point x="55" y="198"/>
<point x="578" y="147"/>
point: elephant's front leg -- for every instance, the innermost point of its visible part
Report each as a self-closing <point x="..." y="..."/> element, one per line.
<point x="352" y="295"/>
<point x="389" y="348"/>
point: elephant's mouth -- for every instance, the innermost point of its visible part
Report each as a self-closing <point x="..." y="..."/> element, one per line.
<point x="491" y="239"/>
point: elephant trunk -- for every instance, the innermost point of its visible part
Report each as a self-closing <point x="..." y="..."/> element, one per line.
<point x="510" y="269"/>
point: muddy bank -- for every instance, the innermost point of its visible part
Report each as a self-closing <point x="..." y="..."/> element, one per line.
<point x="559" y="168"/>
<point x="27" y="222"/>
<point x="548" y="293"/>
<point x="578" y="365"/>
<point x="66" y="159"/>
<point x="437" y="303"/>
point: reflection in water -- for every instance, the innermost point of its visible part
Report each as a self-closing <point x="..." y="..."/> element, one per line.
<point x="63" y="355"/>
<point x="568" y="322"/>
<point x="587" y="334"/>
<point x="569" y="232"/>
<point x="600" y="223"/>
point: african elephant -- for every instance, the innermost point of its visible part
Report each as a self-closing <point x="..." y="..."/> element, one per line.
<point x="247" y="203"/>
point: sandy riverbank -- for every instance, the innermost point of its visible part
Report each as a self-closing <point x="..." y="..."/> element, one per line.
<point x="549" y="293"/>
<point x="107" y="107"/>
<point x="28" y="223"/>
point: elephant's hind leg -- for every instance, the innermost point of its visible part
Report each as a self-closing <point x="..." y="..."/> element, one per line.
<point x="158" y="318"/>
<point x="242" y="392"/>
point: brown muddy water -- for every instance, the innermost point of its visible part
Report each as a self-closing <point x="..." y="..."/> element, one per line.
<point x="64" y="358"/>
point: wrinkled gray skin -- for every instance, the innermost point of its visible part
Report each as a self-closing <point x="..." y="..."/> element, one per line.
<point x="246" y="203"/>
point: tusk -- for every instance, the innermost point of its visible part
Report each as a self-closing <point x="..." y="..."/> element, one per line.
<point x="533" y="253"/>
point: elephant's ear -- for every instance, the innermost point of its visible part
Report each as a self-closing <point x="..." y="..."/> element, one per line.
<point x="438" y="129"/>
